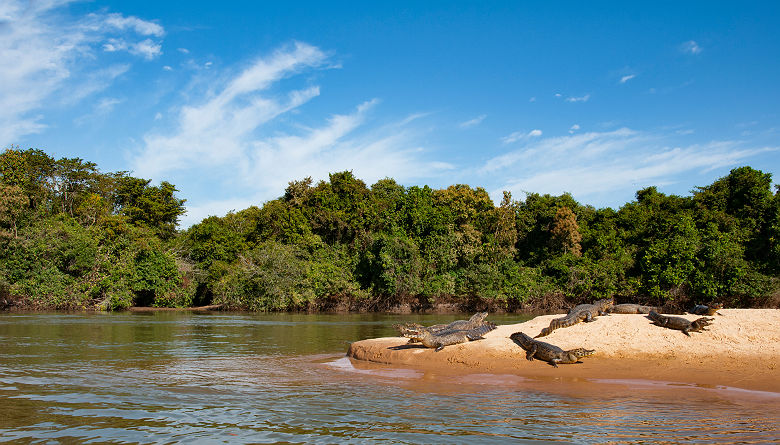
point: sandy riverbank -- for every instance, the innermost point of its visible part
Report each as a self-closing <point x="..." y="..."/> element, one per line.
<point x="741" y="349"/>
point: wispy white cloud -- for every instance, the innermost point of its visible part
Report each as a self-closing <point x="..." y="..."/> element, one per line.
<point x="411" y="118"/>
<point x="574" y="128"/>
<point x="147" y="48"/>
<point x="690" y="47"/>
<point x="102" y="108"/>
<point x="140" y="26"/>
<point x="47" y="55"/>
<point x="520" y="136"/>
<point x="107" y="104"/>
<point x="594" y="163"/>
<point x="473" y="122"/>
<point x="217" y="129"/>
<point x="380" y="152"/>
<point x="584" y="98"/>
<point x="626" y="78"/>
<point x="236" y="129"/>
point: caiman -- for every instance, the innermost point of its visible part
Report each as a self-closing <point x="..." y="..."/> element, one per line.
<point x="413" y="330"/>
<point x="630" y="308"/>
<point x="582" y="312"/>
<point x="680" y="323"/>
<point x="703" y="309"/>
<point x="444" y="338"/>
<point x="547" y="352"/>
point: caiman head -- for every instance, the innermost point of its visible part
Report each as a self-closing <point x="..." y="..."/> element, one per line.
<point x="521" y="338"/>
<point x="407" y="329"/>
<point x="702" y="322"/>
<point x="605" y="303"/>
<point x="417" y="335"/>
<point x="479" y="317"/>
<point x="545" y="332"/>
<point x="581" y="352"/>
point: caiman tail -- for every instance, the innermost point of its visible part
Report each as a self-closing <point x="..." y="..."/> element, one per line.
<point x="557" y="323"/>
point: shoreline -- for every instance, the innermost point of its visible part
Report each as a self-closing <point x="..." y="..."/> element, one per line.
<point x="741" y="350"/>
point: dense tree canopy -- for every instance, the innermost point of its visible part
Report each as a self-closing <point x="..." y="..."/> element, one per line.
<point x="73" y="236"/>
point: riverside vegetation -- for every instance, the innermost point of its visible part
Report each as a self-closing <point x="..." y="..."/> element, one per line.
<point x="73" y="237"/>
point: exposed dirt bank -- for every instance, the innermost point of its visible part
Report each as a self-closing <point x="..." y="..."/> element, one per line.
<point x="213" y="307"/>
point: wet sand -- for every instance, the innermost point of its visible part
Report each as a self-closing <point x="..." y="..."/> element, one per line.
<point x="741" y="349"/>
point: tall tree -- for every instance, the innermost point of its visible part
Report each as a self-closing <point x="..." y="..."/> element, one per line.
<point x="154" y="206"/>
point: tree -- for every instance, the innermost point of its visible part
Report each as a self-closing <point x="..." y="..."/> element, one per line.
<point x="340" y="210"/>
<point x="13" y="203"/>
<point x="32" y="170"/>
<point x="72" y="180"/>
<point x="154" y="206"/>
<point x="467" y="205"/>
<point x="566" y="231"/>
<point x="669" y="261"/>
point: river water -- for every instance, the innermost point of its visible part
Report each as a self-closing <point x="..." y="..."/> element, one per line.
<point x="167" y="377"/>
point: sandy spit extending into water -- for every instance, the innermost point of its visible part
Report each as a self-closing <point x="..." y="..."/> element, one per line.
<point x="740" y="349"/>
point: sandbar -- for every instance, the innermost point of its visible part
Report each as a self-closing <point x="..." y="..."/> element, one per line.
<point x="741" y="349"/>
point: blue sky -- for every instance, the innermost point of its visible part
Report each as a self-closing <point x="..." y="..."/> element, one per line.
<point x="230" y="101"/>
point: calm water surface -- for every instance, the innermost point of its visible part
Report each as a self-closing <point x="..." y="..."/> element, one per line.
<point x="236" y="378"/>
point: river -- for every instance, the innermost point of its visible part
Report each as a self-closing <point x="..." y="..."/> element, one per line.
<point x="165" y="377"/>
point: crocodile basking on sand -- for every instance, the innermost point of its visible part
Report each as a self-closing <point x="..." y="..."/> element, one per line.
<point x="444" y="338"/>
<point x="629" y="308"/>
<point x="414" y="330"/>
<point x="680" y="323"/>
<point x="581" y="312"/>
<point x="703" y="309"/>
<point x="551" y="354"/>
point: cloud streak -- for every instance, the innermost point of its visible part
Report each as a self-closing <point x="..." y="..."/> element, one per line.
<point x="218" y="129"/>
<point x="242" y="137"/>
<point x="690" y="47"/>
<point x="521" y="136"/>
<point x="584" y="98"/>
<point x="597" y="163"/>
<point x="43" y="51"/>
<point x="473" y="122"/>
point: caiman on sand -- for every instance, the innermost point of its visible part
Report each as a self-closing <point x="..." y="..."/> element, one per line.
<point x="629" y="308"/>
<point x="440" y="339"/>
<point x="414" y="330"/>
<point x="680" y="323"/>
<point x="703" y="309"/>
<point x="582" y="312"/>
<point x="551" y="354"/>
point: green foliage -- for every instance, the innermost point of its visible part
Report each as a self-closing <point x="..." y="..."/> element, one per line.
<point x="213" y="240"/>
<point x="155" y="280"/>
<point x="74" y="237"/>
<point x="153" y="206"/>
<point x="13" y="204"/>
<point x="670" y="260"/>
<point x="392" y="267"/>
<point x="271" y="277"/>
<point x="333" y="279"/>
<point x="51" y="262"/>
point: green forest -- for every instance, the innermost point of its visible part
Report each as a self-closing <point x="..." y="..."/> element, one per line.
<point x="74" y="237"/>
